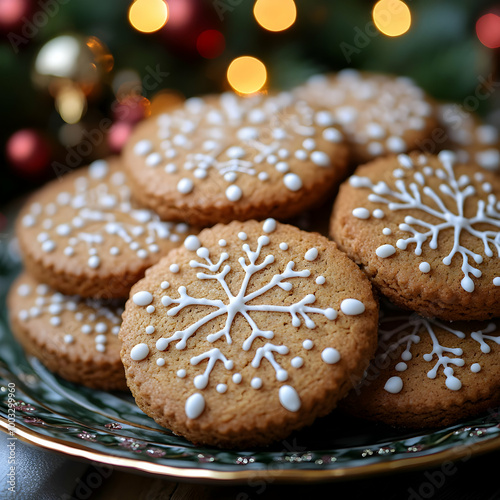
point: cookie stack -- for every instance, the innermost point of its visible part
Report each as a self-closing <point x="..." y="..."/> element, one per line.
<point x="84" y="243"/>
<point x="253" y="328"/>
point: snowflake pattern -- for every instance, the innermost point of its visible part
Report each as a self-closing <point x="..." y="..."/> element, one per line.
<point x="410" y="195"/>
<point x="96" y="211"/>
<point x="95" y="317"/>
<point x="251" y="262"/>
<point x="409" y="330"/>
<point x="256" y="121"/>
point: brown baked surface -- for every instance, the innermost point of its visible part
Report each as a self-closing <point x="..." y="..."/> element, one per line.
<point x="223" y="158"/>
<point x="42" y="319"/>
<point x="379" y="114"/>
<point x="89" y="204"/>
<point x="243" y="415"/>
<point x="423" y="401"/>
<point x="439" y="292"/>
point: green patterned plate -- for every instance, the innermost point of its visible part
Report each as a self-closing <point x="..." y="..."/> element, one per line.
<point x="109" y="428"/>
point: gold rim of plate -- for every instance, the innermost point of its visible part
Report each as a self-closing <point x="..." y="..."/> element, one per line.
<point x="281" y="475"/>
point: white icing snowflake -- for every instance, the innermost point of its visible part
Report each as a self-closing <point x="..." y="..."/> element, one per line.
<point x="95" y="318"/>
<point x="409" y="331"/>
<point x="410" y="195"/>
<point x="261" y="136"/>
<point x="217" y="270"/>
<point x="95" y="212"/>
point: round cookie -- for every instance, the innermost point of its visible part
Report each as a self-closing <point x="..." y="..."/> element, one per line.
<point x="247" y="332"/>
<point x="429" y="373"/>
<point x="223" y="158"/>
<point x="469" y="137"/>
<point x="83" y="235"/>
<point x="73" y="337"/>
<point x="378" y="114"/>
<point x="426" y="230"/>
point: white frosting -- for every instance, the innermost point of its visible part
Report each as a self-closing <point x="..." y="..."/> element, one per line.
<point x="139" y="352"/>
<point x="195" y="405"/>
<point x="289" y="398"/>
<point x="142" y="298"/>
<point x="330" y="356"/>
<point x="385" y="251"/>
<point x="352" y="307"/>
<point x="361" y="213"/>
<point x="394" y="385"/>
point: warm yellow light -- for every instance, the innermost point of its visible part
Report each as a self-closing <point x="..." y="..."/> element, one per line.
<point x="392" y="17"/>
<point x="71" y="103"/>
<point x="246" y="74"/>
<point x="148" y="15"/>
<point x="275" y="15"/>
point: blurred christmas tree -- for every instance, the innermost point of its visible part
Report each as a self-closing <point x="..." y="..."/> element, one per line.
<point x="78" y="74"/>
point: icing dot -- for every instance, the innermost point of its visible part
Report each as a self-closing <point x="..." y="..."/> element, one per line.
<point x="143" y="147"/>
<point x="139" y="352"/>
<point x="68" y="339"/>
<point x="174" y="268"/>
<point x="237" y="378"/>
<point x="150" y="329"/>
<point x="164" y="285"/>
<point x="185" y="186"/>
<point x="292" y="181"/>
<point x="378" y="214"/>
<point x="401" y="367"/>
<point x="284" y="246"/>
<point x="48" y="246"/>
<point x="453" y="383"/>
<point x="153" y="159"/>
<point x="308" y="344"/>
<point x="192" y="243"/>
<point x="311" y="254"/>
<point x="142" y="254"/>
<point x="221" y="388"/>
<point x="100" y="339"/>
<point x="101" y="327"/>
<point x="425" y="267"/>
<point x="142" y="298"/>
<point x="94" y="261"/>
<point x="55" y="321"/>
<point x="320" y="280"/>
<point x="160" y="362"/>
<point x="387" y="231"/>
<point x="222" y="243"/>
<point x="195" y="405"/>
<point x="361" y="213"/>
<point x="396" y="144"/>
<point x="256" y="383"/>
<point x="230" y="176"/>
<point x="320" y="158"/>
<point x="297" y="362"/>
<point x="332" y="135"/>
<point x="24" y="290"/>
<point x="150" y="309"/>
<point x="242" y="236"/>
<point x="86" y="329"/>
<point x="269" y="225"/>
<point x="181" y="373"/>
<point x="233" y="193"/>
<point x="394" y="385"/>
<point x="263" y="176"/>
<point x="496" y="281"/>
<point x="385" y="251"/>
<point x="114" y="251"/>
<point x="475" y="368"/>
<point x="352" y="307"/>
<point x="29" y="221"/>
<point x="330" y="356"/>
<point x="289" y="398"/>
<point x="282" y="167"/>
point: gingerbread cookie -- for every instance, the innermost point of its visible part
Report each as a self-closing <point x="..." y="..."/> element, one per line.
<point x="379" y="114"/>
<point x="426" y="230"/>
<point x="73" y="337"/>
<point x="221" y="158"/>
<point x="83" y="234"/>
<point x="429" y="373"/>
<point x="472" y="140"/>
<point x="247" y="332"/>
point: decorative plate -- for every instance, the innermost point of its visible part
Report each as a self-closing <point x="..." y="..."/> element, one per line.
<point x="110" y="428"/>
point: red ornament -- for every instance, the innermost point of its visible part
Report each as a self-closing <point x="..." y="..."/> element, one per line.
<point x="186" y="21"/>
<point x="12" y="13"/>
<point x="211" y="44"/>
<point x="28" y="152"/>
<point x="488" y="30"/>
<point x="118" y="135"/>
<point x="131" y="109"/>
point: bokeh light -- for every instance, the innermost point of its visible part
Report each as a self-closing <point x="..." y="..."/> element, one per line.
<point x="210" y="44"/>
<point x="275" y="15"/>
<point x="392" y="17"/>
<point x="488" y="30"/>
<point x="246" y="74"/>
<point x="148" y="16"/>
